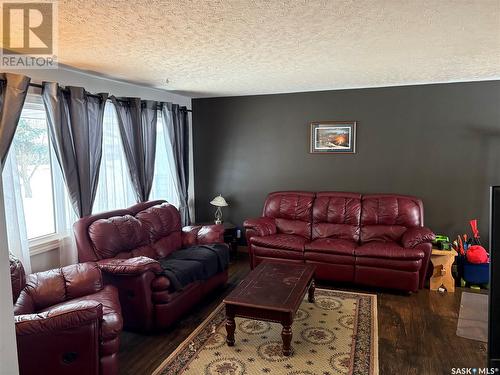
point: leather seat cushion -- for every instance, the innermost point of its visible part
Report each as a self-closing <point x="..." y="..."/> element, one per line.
<point x="266" y="252"/>
<point x="332" y="246"/>
<point x="112" y="321"/>
<point x="280" y="241"/>
<point x="407" y="265"/>
<point x="390" y="250"/>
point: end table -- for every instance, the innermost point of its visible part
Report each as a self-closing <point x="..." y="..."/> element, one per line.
<point x="442" y="261"/>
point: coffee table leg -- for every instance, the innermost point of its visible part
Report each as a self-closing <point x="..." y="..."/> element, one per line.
<point x="286" y="336"/>
<point x="310" y="296"/>
<point x="230" y="327"/>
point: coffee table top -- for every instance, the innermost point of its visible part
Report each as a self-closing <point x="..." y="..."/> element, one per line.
<point x="273" y="286"/>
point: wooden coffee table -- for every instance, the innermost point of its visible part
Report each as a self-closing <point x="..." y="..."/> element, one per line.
<point x="272" y="292"/>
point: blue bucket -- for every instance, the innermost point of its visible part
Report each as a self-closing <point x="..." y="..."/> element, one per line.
<point x="476" y="273"/>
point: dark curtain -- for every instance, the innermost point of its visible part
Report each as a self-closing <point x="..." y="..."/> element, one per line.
<point x="75" y="126"/>
<point x="13" y="90"/>
<point x="175" y="123"/>
<point x="137" y="123"/>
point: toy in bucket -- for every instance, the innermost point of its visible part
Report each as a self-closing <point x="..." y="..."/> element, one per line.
<point x="473" y="259"/>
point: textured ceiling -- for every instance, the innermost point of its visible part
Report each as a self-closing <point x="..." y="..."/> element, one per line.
<point x="239" y="47"/>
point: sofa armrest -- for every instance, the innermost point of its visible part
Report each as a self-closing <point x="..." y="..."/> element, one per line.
<point x="62" y="318"/>
<point x="417" y="235"/>
<point x="202" y="235"/>
<point x="262" y="226"/>
<point x="130" y="266"/>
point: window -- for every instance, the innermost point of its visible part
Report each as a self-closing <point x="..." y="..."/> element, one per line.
<point x="114" y="189"/>
<point x="164" y="186"/>
<point x="35" y="178"/>
<point x="30" y="150"/>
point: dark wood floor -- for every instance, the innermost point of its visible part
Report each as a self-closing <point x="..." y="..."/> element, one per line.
<point x="416" y="332"/>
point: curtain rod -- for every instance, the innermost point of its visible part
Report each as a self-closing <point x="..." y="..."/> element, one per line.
<point x="37" y="85"/>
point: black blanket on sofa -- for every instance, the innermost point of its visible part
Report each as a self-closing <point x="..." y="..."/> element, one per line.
<point x="195" y="263"/>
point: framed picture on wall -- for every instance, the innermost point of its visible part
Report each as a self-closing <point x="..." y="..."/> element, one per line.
<point x="333" y="137"/>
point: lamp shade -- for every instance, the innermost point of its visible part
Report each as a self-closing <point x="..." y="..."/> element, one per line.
<point x="219" y="201"/>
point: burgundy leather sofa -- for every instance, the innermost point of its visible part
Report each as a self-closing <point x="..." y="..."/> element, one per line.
<point x="377" y="240"/>
<point x="126" y="245"/>
<point x="67" y="321"/>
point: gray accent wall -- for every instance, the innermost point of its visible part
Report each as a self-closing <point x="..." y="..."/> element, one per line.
<point x="438" y="142"/>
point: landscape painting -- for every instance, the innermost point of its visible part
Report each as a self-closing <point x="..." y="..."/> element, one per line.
<point x="333" y="137"/>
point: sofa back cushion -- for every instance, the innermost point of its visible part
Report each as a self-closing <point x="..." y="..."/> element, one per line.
<point x="292" y="211"/>
<point x="81" y="279"/>
<point x="150" y="229"/>
<point x="336" y="215"/>
<point x="43" y="289"/>
<point x="386" y="217"/>
<point x="164" y="225"/>
<point x="117" y="234"/>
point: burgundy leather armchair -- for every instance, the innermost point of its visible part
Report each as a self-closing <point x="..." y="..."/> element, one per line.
<point x="67" y="321"/>
<point x="126" y="244"/>
<point x="376" y="240"/>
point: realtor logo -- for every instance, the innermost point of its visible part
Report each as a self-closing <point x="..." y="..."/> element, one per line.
<point x="29" y="35"/>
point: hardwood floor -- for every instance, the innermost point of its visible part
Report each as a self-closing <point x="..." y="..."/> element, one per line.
<point x="416" y="332"/>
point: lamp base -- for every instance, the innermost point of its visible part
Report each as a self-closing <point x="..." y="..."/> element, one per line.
<point x="218" y="216"/>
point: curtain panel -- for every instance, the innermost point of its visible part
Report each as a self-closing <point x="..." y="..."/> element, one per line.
<point x="115" y="189"/>
<point x="13" y="90"/>
<point x="137" y="123"/>
<point x="75" y="127"/>
<point x="175" y="123"/>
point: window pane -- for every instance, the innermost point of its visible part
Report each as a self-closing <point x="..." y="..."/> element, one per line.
<point x="163" y="183"/>
<point x="31" y="147"/>
<point x="115" y="189"/>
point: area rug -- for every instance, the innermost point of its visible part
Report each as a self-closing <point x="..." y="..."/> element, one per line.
<point x="473" y="317"/>
<point x="337" y="334"/>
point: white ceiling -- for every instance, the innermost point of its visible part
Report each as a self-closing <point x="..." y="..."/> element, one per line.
<point x="240" y="47"/>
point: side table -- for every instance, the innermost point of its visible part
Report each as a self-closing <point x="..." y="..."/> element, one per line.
<point x="442" y="261"/>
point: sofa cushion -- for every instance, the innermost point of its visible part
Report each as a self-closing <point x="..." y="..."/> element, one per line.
<point x="292" y="211"/>
<point x="391" y="250"/>
<point x="161" y="220"/>
<point x="331" y="246"/>
<point x="117" y="234"/>
<point x="281" y="241"/>
<point x="273" y="253"/>
<point x="336" y="215"/>
<point x="112" y="321"/>
<point x="402" y="265"/>
<point x="164" y="225"/>
<point x="386" y="217"/>
<point x="329" y="258"/>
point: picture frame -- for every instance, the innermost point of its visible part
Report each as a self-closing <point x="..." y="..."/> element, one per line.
<point x="332" y="137"/>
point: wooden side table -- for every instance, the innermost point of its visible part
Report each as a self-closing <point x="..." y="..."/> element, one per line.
<point x="442" y="261"/>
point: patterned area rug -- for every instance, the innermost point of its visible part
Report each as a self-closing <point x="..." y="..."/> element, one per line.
<point x="337" y="334"/>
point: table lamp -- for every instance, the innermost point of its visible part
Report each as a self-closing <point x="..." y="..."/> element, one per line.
<point x="218" y="202"/>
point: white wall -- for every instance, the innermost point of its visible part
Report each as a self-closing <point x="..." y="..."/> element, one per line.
<point x="95" y="84"/>
<point x="8" y="352"/>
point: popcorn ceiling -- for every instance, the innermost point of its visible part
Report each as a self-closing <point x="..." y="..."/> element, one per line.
<point x="241" y="47"/>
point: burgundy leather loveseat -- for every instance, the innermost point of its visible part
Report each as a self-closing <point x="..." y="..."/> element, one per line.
<point x="67" y="321"/>
<point x="376" y="239"/>
<point x="126" y="245"/>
